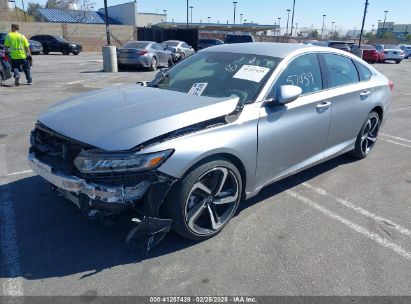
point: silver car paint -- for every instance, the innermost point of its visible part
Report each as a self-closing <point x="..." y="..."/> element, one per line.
<point x="131" y="56"/>
<point x="124" y="117"/>
<point x="271" y="143"/>
<point x="291" y="137"/>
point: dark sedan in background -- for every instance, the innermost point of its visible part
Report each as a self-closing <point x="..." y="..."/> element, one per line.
<point x="205" y="43"/>
<point x="55" y="43"/>
<point x="146" y="54"/>
<point x="339" y="45"/>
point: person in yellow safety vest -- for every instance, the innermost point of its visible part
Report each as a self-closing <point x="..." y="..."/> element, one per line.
<point x="20" y="54"/>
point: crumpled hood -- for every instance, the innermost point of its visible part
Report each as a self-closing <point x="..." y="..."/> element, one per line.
<point x="123" y="117"/>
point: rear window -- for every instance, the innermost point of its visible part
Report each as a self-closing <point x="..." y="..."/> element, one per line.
<point x="136" y="45"/>
<point x="238" y="38"/>
<point x="392" y="46"/>
<point x="171" y="43"/>
<point x="364" y="71"/>
<point x="338" y="45"/>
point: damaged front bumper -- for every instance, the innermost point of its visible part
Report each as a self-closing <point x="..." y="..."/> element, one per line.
<point x="101" y="201"/>
<point x="77" y="185"/>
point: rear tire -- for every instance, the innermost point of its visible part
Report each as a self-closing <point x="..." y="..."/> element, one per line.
<point x="153" y="64"/>
<point x="46" y="52"/>
<point x="367" y="136"/>
<point x="205" y="200"/>
<point x="75" y="53"/>
<point x="397" y="61"/>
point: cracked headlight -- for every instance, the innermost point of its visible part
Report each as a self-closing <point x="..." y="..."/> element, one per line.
<point x="93" y="161"/>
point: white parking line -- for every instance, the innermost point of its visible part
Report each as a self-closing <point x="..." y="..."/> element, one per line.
<point x="360" y="210"/>
<point x="401" y="109"/>
<point x="396" y="143"/>
<point x="20" y="172"/>
<point x="13" y="284"/>
<point x="396" y="137"/>
<point x="360" y="229"/>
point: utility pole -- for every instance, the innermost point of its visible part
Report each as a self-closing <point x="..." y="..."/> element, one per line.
<point x="187" y="14"/>
<point x="332" y="28"/>
<point x="383" y="26"/>
<point x="363" y="22"/>
<point x="209" y="19"/>
<point x="106" y="18"/>
<point x="191" y="12"/>
<point x="235" y="6"/>
<point x="322" y="29"/>
<point x="292" y="19"/>
<point x="288" y="18"/>
<point x="24" y="11"/>
<point x="241" y="18"/>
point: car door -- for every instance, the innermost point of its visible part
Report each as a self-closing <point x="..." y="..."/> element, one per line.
<point x="159" y="50"/>
<point x="350" y="99"/>
<point x="292" y="136"/>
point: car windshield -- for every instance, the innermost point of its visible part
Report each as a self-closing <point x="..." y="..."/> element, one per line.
<point x="220" y="74"/>
<point x="60" y="39"/>
<point x="238" y="38"/>
<point x="135" y="45"/>
<point x="392" y="46"/>
<point x="172" y="43"/>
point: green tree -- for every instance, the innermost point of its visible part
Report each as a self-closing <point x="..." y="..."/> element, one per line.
<point x="408" y="37"/>
<point x="388" y="35"/>
<point x="369" y="35"/>
<point x="314" y="34"/>
<point x="32" y="10"/>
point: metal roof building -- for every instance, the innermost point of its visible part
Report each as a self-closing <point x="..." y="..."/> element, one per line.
<point x="73" y="16"/>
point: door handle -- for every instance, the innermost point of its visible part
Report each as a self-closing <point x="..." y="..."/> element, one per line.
<point x="323" y="105"/>
<point x="365" y="94"/>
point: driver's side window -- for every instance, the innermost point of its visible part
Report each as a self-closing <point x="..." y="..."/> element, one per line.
<point x="304" y="71"/>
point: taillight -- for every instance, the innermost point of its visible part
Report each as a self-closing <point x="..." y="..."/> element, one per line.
<point x="391" y="84"/>
<point x="142" y="52"/>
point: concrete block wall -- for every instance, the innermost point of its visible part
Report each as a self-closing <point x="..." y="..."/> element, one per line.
<point x="91" y="36"/>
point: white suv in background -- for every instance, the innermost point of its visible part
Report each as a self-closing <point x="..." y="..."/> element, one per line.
<point x="391" y="52"/>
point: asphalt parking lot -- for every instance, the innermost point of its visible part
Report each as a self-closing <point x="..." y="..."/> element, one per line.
<point x="341" y="228"/>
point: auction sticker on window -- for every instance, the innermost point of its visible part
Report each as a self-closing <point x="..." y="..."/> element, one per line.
<point x="198" y="88"/>
<point x="251" y="72"/>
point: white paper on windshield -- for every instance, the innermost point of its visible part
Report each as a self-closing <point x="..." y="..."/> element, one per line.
<point x="251" y="72"/>
<point x="198" y="88"/>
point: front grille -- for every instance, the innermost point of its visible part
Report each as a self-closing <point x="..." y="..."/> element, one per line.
<point x="59" y="152"/>
<point x="55" y="149"/>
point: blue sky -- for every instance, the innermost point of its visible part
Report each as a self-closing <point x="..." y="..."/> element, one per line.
<point x="345" y="13"/>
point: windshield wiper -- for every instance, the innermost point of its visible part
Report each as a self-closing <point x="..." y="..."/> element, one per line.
<point x="160" y="76"/>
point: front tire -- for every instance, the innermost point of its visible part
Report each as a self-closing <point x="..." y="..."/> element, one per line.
<point x="397" y="61"/>
<point x="205" y="200"/>
<point x="367" y="137"/>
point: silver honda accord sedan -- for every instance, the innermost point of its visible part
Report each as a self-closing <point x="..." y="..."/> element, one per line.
<point x="185" y="149"/>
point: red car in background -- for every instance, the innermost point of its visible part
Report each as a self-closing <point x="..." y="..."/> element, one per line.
<point x="369" y="53"/>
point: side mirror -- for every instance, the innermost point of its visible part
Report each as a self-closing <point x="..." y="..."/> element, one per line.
<point x="288" y="93"/>
<point x="285" y="94"/>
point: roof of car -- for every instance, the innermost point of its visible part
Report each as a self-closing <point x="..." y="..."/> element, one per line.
<point x="179" y="41"/>
<point x="272" y="49"/>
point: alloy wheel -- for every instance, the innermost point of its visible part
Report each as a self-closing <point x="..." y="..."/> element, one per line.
<point x="212" y="200"/>
<point x="369" y="135"/>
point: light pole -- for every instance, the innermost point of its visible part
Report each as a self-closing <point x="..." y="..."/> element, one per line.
<point x="191" y="13"/>
<point x="288" y="18"/>
<point x="332" y="28"/>
<point x="235" y="6"/>
<point x="279" y="26"/>
<point x="24" y="11"/>
<point x="383" y="26"/>
<point x="372" y="29"/>
<point x="241" y="18"/>
<point x="363" y="22"/>
<point x="292" y="19"/>
<point x="165" y="13"/>
<point x="296" y="28"/>
<point x="208" y="19"/>
<point x="322" y="29"/>
<point x="106" y="19"/>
